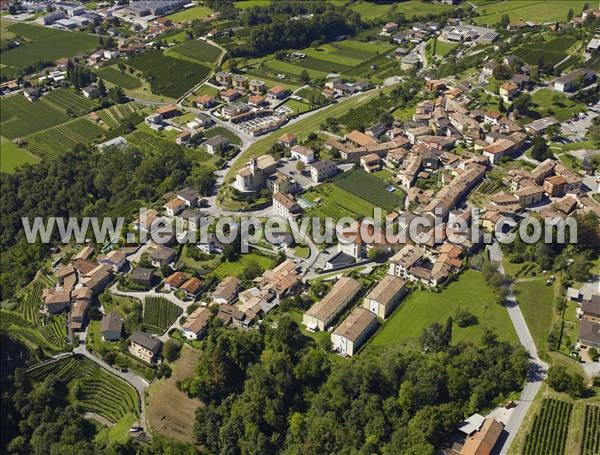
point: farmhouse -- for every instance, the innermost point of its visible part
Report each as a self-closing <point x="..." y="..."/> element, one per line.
<point x="384" y="297"/>
<point x="352" y="333"/>
<point x="360" y="139"/>
<point x="31" y="94"/>
<point x="196" y="324"/>
<point x="144" y="346"/>
<point x="321" y="314"/>
<point x="111" y="326"/>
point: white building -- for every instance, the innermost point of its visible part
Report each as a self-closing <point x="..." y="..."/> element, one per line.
<point x="352" y="333"/>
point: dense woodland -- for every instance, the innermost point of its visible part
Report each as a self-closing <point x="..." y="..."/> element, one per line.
<point x="115" y="182"/>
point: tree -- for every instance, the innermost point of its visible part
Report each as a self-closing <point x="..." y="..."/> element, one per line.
<point x="563" y="381"/>
<point x="539" y="149"/>
<point x="171" y="349"/>
<point x="116" y="95"/>
<point x="522" y="103"/>
<point x="300" y="166"/>
<point x="101" y="88"/>
<point x="579" y="268"/>
<point x="435" y="337"/>
<point x="501" y="106"/>
<point x="504" y="21"/>
<point x="463" y="317"/>
<point x="594" y="133"/>
<point x="304" y="77"/>
<point x="593" y="354"/>
<point x="570" y="14"/>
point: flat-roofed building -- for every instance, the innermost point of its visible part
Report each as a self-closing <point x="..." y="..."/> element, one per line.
<point x="322" y="313"/>
<point x="352" y="333"/>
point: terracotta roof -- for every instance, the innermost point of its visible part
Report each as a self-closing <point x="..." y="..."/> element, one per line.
<point x="387" y="290"/>
<point x="198" y="320"/>
<point x="483" y="442"/>
<point x="355" y="324"/>
<point x="177" y="279"/>
<point x="341" y="292"/>
<point x="192" y="286"/>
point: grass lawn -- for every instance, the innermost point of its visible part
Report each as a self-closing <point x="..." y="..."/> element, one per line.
<point x="114" y="76"/>
<point x="119" y="432"/>
<point x="404" y="114"/>
<point x="337" y="203"/>
<point x="206" y="90"/>
<point x="12" y="156"/>
<point x="442" y="49"/>
<point x="370" y="11"/>
<point x="531" y="10"/>
<point x="245" y="4"/>
<point x="301" y="129"/>
<point x="298" y="107"/>
<point x="236" y="268"/>
<point x="422" y="308"/>
<point x="198" y="50"/>
<point x="537" y="305"/>
<point x="197" y="12"/>
<point x="170" y="411"/>
<point x="549" y="102"/>
<point x="302" y="251"/>
<point x="220" y="131"/>
<point x="296" y="315"/>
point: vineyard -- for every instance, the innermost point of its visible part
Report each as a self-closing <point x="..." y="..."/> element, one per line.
<point x="77" y="105"/>
<point x="548" y="436"/>
<point x="122" y="79"/>
<point x="160" y="313"/>
<point x="370" y="188"/>
<point x="118" y="114"/>
<point x="590" y="443"/>
<point x="95" y="389"/>
<point x="199" y="50"/>
<point x="55" y="141"/>
<point x="489" y="187"/>
<point x="551" y="52"/>
<point x="368" y="113"/>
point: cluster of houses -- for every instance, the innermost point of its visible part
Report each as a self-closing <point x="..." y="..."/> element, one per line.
<point x="588" y="314"/>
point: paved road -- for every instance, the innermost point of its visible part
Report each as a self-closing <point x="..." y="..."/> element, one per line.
<point x="536" y="374"/>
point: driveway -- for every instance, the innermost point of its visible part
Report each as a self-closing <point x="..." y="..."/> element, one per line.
<point x="537" y="369"/>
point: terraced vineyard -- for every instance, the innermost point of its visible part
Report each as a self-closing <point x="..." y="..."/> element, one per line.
<point x="590" y="443"/>
<point x="53" y="142"/>
<point x="548" y="435"/>
<point x="118" y="114"/>
<point x="160" y="313"/>
<point x="71" y="102"/>
<point x="96" y="390"/>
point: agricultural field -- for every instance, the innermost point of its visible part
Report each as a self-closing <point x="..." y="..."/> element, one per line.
<point x="593" y="63"/>
<point x="370" y="188"/>
<point x="19" y="117"/>
<point x="537" y="304"/>
<point x="12" y="156"/>
<point x="196" y="12"/>
<point x="160" y="313"/>
<point x="532" y="10"/>
<point x="171" y="411"/>
<point x="590" y="444"/>
<point x="53" y="142"/>
<point x="198" y="50"/>
<point x="245" y="4"/>
<point x="370" y="11"/>
<point x="73" y="104"/>
<point x="366" y="114"/>
<point x="422" y="308"/>
<point x="329" y="200"/>
<point x="168" y="76"/>
<point x="116" y="77"/>
<point x="551" y="52"/>
<point x="548" y="435"/>
<point x="118" y="114"/>
<point x="46" y="44"/>
<point x="91" y="386"/>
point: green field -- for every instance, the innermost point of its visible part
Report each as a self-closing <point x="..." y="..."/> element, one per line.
<point x="442" y="49"/>
<point x="236" y="268"/>
<point x="370" y="188"/>
<point x="118" y="114"/>
<point x="337" y="203"/>
<point x="298" y="107"/>
<point x="537" y="305"/>
<point x="46" y="44"/>
<point x="198" y="50"/>
<point x="552" y="52"/>
<point x="168" y="76"/>
<point x="219" y="130"/>
<point x="12" y="156"/>
<point x="293" y="69"/>
<point x="422" y="308"/>
<point x="245" y="4"/>
<point x="73" y="104"/>
<point x="196" y="12"/>
<point x="531" y="10"/>
<point x="370" y="11"/>
<point x="548" y="102"/>
<point x="53" y="142"/>
<point x="19" y="117"/>
<point x="116" y="77"/>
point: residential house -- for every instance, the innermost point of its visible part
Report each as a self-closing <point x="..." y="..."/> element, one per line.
<point x="575" y="80"/>
<point x="321" y="314"/>
<point x="192" y="287"/>
<point x="142" y="276"/>
<point x="352" y="333"/>
<point x="257" y="87"/>
<point x="115" y="259"/>
<point x="281" y="281"/>
<point x="216" y="144"/>
<point x="174" y="207"/>
<point x="162" y="255"/>
<point x="589" y="333"/>
<point x="145" y="347"/>
<point x="385" y="296"/>
<point x="303" y="153"/>
<point x="508" y="90"/>
<point x="183" y="137"/>
<point x="540" y="125"/>
<point x="174" y="281"/>
<point x="359" y="139"/>
<point x="111" y="326"/>
<point x="239" y="82"/>
<point x="277" y="93"/>
<point x="498" y="150"/>
<point x="55" y="300"/>
<point x="322" y="170"/>
<point x="205" y="101"/>
<point x="555" y="186"/>
<point x="196" y="324"/>
<point x="91" y="91"/>
<point x="285" y="206"/>
<point x="483" y="441"/>
<point x="530" y="195"/>
<point x="229" y="95"/>
<point x="223" y="78"/>
<point x="227" y="290"/>
<point x="371" y="163"/>
<point x="168" y="111"/>
<point x="31" y="94"/>
<point x="288" y="139"/>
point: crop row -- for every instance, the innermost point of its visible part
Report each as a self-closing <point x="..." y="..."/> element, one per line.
<point x="160" y="312"/>
<point x="590" y="442"/>
<point x="548" y="436"/>
<point x="70" y="101"/>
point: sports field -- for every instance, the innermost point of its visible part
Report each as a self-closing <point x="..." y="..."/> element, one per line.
<point x="531" y="10"/>
<point x="198" y="50"/>
<point x="196" y="12"/>
<point x="422" y="308"/>
<point x="46" y="44"/>
<point x="12" y="156"/>
<point x="116" y="77"/>
<point x="168" y="76"/>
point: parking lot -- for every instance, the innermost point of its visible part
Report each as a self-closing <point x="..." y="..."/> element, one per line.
<point x="577" y="129"/>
